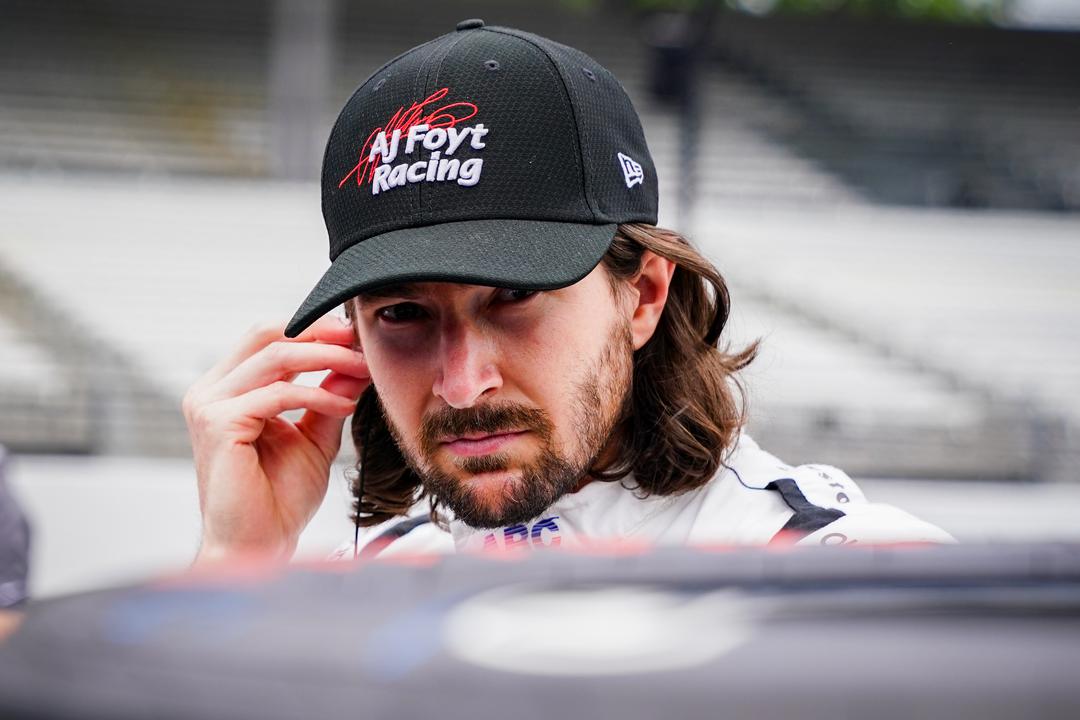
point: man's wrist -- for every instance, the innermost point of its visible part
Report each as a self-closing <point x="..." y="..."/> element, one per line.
<point x="212" y="552"/>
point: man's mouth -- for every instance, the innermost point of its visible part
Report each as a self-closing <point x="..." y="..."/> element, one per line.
<point x="480" y="443"/>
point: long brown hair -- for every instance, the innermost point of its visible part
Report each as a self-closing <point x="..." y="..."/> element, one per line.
<point x="687" y="403"/>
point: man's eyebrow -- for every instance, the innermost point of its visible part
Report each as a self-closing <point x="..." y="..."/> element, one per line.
<point x="404" y="291"/>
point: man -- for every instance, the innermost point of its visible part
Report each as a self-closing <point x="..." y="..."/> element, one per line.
<point x="536" y="363"/>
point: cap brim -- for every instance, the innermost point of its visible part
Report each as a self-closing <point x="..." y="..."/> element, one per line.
<point x="522" y="254"/>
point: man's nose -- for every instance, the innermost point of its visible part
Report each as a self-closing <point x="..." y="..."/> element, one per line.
<point x="468" y="369"/>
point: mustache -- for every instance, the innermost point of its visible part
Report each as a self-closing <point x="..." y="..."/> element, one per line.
<point x="491" y="419"/>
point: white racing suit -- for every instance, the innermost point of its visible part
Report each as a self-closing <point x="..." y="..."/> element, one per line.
<point x="754" y="499"/>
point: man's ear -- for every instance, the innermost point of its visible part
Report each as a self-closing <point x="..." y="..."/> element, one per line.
<point x="650" y="292"/>
<point x="352" y="315"/>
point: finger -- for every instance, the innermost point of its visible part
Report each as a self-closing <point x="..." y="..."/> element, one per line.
<point x="347" y="386"/>
<point x="325" y="430"/>
<point x="331" y="329"/>
<point x="270" y="401"/>
<point x="289" y="377"/>
<point x="283" y="361"/>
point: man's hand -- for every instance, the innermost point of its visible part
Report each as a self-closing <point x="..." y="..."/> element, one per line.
<point x="261" y="478"/>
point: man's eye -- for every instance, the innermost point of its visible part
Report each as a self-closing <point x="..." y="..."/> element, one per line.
<point x="400" y="313"/>
<point x="509" y="295"/>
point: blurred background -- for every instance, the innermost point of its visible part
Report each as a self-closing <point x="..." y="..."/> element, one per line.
<point x="891" y="187"/>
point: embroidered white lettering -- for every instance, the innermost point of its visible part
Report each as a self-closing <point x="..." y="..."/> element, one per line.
<point x="456" y="138"/>
<point x="448" y="169"/>
<point x="398" y="175"/>
<point x="416" y="133"/>
<point x="378" y="181"/>
<point x="435" y="138"/>
<point x="433" y="165"/>
<point x="388" y="152"/>
<point x="470" y="172"/>
<point x="436" y="167"/>
<point x="416" y="171"/>
<point x="478" y="132"/>
<point x="379" y="147"/>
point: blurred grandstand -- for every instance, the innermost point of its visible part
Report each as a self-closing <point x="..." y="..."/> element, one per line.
<point x="157" y="196"/>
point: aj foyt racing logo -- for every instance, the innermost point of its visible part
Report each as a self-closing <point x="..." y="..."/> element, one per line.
<point x="428" y="125"/>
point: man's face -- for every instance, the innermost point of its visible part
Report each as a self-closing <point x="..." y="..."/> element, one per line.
<point x="500" y="400"/>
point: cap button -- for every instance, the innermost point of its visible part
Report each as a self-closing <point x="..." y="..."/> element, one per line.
<point x="470" y="24"/>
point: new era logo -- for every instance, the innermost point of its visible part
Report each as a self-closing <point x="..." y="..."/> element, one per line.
<point x="631" y="171"/>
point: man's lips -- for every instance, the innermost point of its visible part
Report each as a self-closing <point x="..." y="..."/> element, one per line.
<point x="480" y="443"/>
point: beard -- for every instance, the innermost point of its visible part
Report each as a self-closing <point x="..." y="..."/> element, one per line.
<point x="599" y="401"/>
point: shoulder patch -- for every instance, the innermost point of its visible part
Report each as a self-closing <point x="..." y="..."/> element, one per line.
<point x="819" y="495"/>
<point x="807" y="517"/>
<point x="827" y="486"/>
<point x="876" y="524"/>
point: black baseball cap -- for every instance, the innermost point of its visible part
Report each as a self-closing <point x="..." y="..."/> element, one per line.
<point x="488" y="156"/>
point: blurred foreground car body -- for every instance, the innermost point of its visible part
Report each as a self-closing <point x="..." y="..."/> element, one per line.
<point x="885" y="632"/>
